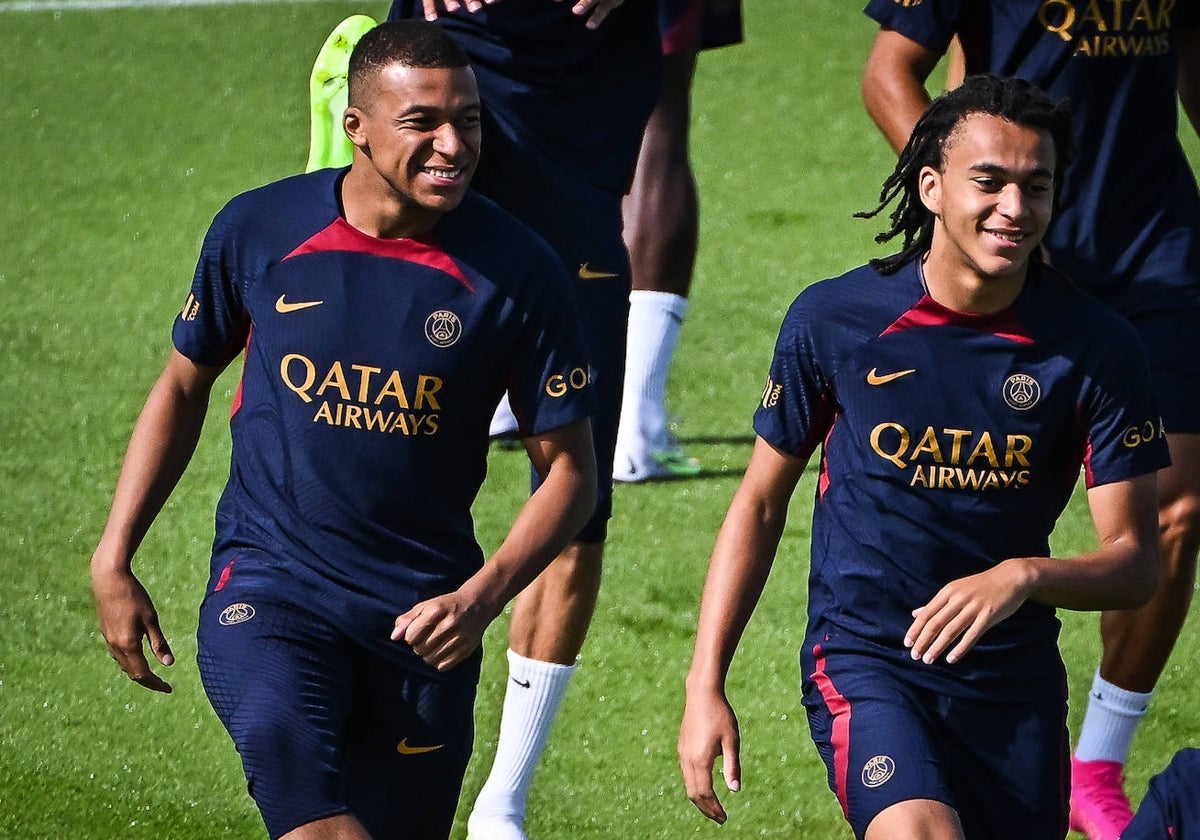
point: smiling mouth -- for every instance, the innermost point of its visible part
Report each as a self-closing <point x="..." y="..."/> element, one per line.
<point x="1012" y="237"/>
<point x="442" y="172"/>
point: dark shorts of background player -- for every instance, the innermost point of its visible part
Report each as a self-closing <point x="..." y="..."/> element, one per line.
<point x="885" y="739"/>
<point x="325" y="726"/>
<point x="1172" y="342"/>
<point x="693" y="25"/>
<point x="582" y="222"/>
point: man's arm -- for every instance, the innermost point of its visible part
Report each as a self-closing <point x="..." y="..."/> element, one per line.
<point x="1189" y="75"/>
<point x="1120" y="574"/>
<point x="893" y="84"/>
<point x="741" y="560"/>
<point x="160" y="447"/>
<point x="446" y="630"/>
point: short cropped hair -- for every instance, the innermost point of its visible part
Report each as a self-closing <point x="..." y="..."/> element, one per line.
<point x="410" y="43"/>
<point x="1011" y="99"/>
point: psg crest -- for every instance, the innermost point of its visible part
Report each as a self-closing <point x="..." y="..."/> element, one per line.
<point x="1021" y="391"/>
<point x="443" y="328"/>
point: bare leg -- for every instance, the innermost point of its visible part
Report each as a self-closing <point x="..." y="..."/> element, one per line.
<point x="341" y="827"/>
<point x="916" y="819"/>
<point x="551" y="616"/>
<point x="1138" y="642"/>
<point x="661" y="210"/>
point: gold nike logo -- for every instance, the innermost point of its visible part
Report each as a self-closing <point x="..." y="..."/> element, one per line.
<point x="586" y="273"/>
<point x="283" y="306"/>
<point x="404" y="749"/>
<point x="874" y="378"/>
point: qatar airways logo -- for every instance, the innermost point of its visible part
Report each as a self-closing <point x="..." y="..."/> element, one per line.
<point x="366" y="397"/>
<point x="955" y="459"/>
<point x="1110" y="28"/>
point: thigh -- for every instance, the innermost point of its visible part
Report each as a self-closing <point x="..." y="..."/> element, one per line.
<point x="1008" y="765"/>
<point x="407" y="748"/>
<point x="278" y="678"/>
<point x="876" y="735"/>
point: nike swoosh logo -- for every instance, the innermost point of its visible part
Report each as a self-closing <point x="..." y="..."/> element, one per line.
<point x="404" y="749"/>
<point x="283" y="306"/>
<point x="525" y="684"/>
<point x="586" y="273"/>
<point x="874" y="378"/>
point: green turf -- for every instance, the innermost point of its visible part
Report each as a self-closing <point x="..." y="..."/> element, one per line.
<point x="124" y="132"/>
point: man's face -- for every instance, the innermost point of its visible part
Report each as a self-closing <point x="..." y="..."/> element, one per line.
<point x="420" y="129"/>
<point x="993" y="197"/>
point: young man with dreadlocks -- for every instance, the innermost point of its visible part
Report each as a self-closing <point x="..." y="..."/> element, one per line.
<point x="955" y="389"/>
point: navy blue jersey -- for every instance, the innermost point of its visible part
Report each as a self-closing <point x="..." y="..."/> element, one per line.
<point x="1129" y="205"/>
<point x="577" y="96"/>
<point x="950" y="442"/>
<point x="372" y="367"/>
<point x="1171" y="808"/>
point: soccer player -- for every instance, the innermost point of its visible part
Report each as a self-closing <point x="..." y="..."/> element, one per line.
<point x="1171" y="808"/>
<point x="955" y="390"/>
<point x="382" y="310"/>
<point x="1129" y="233"/>
<point x="661" y="231"/>
<point x="566" y="92"/>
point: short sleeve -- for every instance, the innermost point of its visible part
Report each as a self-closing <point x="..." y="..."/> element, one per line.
<point x="930" y="23"/>
<point x="796" y="407"/>
<point x="1125" y="434"/>
<point x="550" y="382"/>
<point x="213" y="325"/>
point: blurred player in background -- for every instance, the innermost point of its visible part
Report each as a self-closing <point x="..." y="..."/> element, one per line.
<point x="1171" y="807"/>
<point x="1129" y="233"/>
<point x="955" y="390"/>
<point x="566" y="92"/>
<point x="381" y="310"/>
<point x="661" y="230"/>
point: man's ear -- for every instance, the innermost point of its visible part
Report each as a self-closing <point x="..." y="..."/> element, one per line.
<point x="354" y="124"/>
<point x="929" y="188"/>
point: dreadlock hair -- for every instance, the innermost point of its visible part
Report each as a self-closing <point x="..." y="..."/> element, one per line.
<point x="1014" y="100"/>
<point x="410" y="43"/>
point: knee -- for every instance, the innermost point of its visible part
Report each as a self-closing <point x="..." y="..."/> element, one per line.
<point x="1179" y="532"/>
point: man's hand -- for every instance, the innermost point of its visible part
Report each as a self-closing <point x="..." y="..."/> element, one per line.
<point x="430" y="7"/>
<point x="127" y="615"/>
<point x="443" y="631"/>
<point x="964" y="610"/>
<point x="595" y="10"/>
<point x="709" y="729"/>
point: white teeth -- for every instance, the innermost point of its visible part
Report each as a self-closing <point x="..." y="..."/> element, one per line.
<point x="443" y="173"/>
<point x="1010" y="237"/>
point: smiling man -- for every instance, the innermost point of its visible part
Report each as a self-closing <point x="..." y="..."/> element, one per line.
<point x="956" y="389"/>
<point x="382" y="310"/>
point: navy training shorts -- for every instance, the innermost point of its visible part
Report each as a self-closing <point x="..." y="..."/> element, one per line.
<point x="324" y="724"/>
<point x="884" y="738"/>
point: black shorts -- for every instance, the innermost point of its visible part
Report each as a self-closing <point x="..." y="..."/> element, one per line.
<point x="327" y="723"/>
<point x="885" y="739"/>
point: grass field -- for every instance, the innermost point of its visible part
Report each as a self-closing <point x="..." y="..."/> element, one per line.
<point x="125" y="130"/>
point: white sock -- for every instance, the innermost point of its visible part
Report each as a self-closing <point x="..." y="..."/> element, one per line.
<point x="535" y="692"/>
<point x="655" y="319"/>
<point x="504" y="422"/>
<point x="1112" y="716"/>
